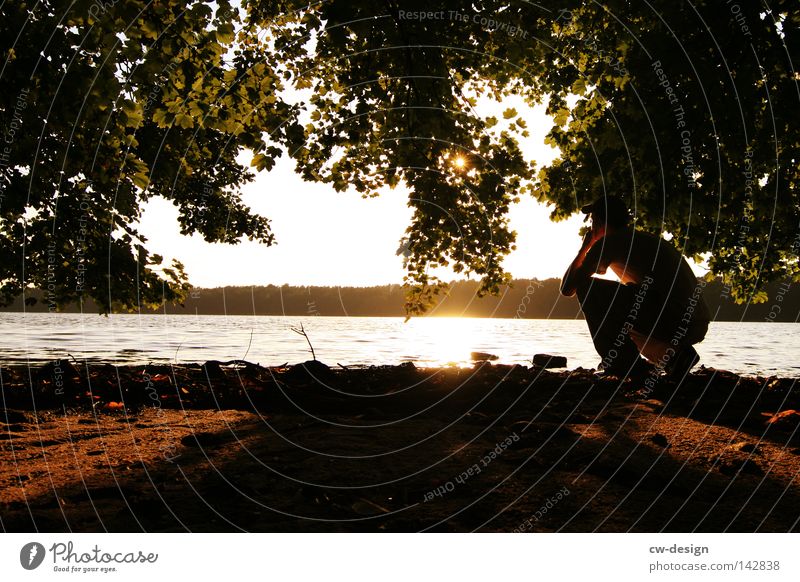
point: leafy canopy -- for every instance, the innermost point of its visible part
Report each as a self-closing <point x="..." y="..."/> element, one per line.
<point x="687" y="110"/>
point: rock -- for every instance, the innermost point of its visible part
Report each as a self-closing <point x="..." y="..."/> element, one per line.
<point x="785" y="420"/>
<point x="660" y="440"/>
<point x="483" y="357"/>
<point x="746" y="447"/>
<point x="549" y="361"/>
<point x="310" y="371"/>
<point x="213" y="369"/>
<point x="734" y="466"/>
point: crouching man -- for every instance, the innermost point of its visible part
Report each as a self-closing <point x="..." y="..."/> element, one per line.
<point x="655" y="311"/>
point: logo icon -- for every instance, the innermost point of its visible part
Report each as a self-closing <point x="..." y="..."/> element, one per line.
<point x="31" y="555"/>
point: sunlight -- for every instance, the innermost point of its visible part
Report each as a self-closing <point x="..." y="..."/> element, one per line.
<point x="455" y="339"/>
<point x="459" y="162"/>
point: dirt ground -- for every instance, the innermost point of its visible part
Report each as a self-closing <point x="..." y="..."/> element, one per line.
<point x="230" y="447"/>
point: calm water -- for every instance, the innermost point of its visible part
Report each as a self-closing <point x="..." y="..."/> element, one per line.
<point x="747" y="348"/>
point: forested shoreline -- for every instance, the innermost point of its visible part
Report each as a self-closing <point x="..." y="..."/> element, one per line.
<point x="523" y="299"/>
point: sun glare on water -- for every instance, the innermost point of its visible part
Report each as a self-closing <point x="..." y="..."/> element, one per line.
<point x="455" y="339"/>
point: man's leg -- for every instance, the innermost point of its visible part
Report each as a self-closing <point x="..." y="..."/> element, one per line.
<point x="686" y="357"/>
<point x="667" y="343"/>
<point x="654" y="349"/>
<point x="606" y="306"/>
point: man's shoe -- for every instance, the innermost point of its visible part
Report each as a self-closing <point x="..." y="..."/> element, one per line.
<point x="680" y="364"/>
<point x="640" y="369"/>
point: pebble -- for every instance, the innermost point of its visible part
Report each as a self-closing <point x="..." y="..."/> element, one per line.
<point x="660" y="440"/>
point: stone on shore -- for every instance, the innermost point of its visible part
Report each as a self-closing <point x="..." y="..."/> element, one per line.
<point x="549" y="361"/>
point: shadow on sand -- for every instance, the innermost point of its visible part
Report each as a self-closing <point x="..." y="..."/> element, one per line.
<point x="233" y="446"/>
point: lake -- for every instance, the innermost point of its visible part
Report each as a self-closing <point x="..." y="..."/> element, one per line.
<point x="757" y="348"/>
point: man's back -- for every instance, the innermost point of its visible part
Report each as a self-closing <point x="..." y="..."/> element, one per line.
<point x="634" y="256"/>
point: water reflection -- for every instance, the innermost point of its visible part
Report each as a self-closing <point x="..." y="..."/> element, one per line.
<point x="770" y="347"/>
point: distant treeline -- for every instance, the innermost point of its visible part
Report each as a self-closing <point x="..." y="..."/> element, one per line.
<point x="523" y="299"/>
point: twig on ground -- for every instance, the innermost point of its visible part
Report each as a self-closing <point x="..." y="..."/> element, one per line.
<point x="302" y="332"/>
<point x="244" y="357"/>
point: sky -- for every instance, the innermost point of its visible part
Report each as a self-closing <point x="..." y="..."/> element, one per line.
<point x="341" y="239"/>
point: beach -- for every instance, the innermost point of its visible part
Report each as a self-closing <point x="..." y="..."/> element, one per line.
<point x="233" y="446"/>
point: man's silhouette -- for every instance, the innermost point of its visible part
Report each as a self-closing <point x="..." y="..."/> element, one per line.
<point x="656" y="310"/>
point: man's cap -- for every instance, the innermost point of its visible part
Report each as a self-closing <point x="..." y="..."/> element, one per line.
<point x="608" y="207"/>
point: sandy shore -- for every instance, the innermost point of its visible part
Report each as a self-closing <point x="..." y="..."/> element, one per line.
<point x="493" y="448"/>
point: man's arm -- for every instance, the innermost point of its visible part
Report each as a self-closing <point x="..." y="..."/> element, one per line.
<point x="581" y="270"/>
